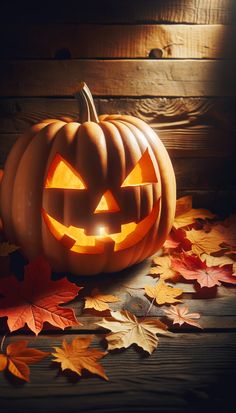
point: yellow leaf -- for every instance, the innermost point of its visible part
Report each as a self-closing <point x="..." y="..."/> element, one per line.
<point x="6" y="248"/>
<point x="163" y="293"/>
<point x="186" y="215"/>
<point x="99" y="301"/>
<point x="212" y="261"/>
<point x="76" y="356"/>
<point x="126" y="330"/>
<point x="162" y="267"/>
<point x="204" y="242"/>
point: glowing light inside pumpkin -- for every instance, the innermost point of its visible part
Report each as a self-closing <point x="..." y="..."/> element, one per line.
<point x="101" y="231"/>
<point x="143" y="172"/>
<point x="130" y="234"/>
<point x="62" y="175"/>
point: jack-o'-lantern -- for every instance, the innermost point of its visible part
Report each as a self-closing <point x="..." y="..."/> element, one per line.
<point x="92" y="196"/>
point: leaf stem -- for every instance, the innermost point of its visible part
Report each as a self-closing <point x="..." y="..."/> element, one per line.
<point x="149" y="308"/>
<point x="2" y="343"/>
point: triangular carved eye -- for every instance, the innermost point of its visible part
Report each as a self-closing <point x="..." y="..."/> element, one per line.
<point x="143" y="173"/>
<point x="62" y="175"/>
<point x="107" y="203"/>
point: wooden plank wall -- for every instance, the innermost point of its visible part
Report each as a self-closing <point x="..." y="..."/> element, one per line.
<point x="171" y="63"/>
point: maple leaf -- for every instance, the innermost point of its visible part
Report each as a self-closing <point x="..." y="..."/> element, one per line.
<point x="180" y="315"/>
<point x="183" y="204"/>
<point x="76" y="356"/>
<point x="127" y="330"/>
<point x="226" y="231"/>
<point x="35" y="300"/>
<point x="170" y="243"/>
<point x="17" y="358"/>
<point x="6" y="248"/>
<point x="192" y="268"/>
<point x="204" y="242"/>
<point x="99" y="301"/>
<point x="163" y="293"/>
<point x="162" y="267"/>
<point x="220" y="261"/>
<point x="186" y="215"/>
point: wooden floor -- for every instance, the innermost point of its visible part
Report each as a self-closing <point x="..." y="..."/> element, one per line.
<point x="191" y="372"/>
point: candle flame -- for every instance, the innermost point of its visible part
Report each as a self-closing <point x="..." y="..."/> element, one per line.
<point x="101" y="231"/>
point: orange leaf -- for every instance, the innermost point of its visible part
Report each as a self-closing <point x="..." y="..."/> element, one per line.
<point x="76" y="356"/>
<point x="99" y="301"/>
<point x="35" y="300"/>
<point x="17" y="358"/>
<point x="180" y="315"/>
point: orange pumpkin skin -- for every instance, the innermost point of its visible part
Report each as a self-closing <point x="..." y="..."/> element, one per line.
<point x="103" y="153"/>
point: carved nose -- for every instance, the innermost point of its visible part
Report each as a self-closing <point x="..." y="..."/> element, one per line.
<point x="107" y="203"/>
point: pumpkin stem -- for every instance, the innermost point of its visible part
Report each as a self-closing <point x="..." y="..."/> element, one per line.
<point x="86" y="104"/>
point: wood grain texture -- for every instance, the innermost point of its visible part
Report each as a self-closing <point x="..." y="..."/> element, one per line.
<point x="118" y="77"/>
<point x="190" y="372"/>
<point x="187" y="126"/>
<point x="117" y="41"/>
<point x="124" y="11"/>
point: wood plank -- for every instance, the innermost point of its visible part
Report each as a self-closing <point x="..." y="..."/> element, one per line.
<point x="117" y="41"/>
<point x="221" y="202"/>
<point x="118" y="77"/>
<point x="124" y="11"/>
<point x="190" y="369"/>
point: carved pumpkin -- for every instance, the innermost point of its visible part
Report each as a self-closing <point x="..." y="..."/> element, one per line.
<point x="92" y="197"/>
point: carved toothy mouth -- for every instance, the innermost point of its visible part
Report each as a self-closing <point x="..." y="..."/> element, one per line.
<point x="77" y="241"/>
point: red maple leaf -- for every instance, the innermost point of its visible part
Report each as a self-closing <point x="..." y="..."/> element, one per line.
<point x="35" y="300"/>
<point x="192" y="268"/>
